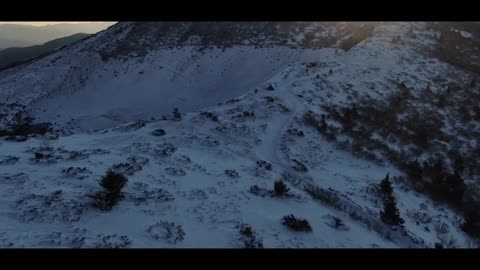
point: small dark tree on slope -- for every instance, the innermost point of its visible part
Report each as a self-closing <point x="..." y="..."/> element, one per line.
<point x="386" y="187"/>
<point x="113" y="184"/>
<point x="390" y="214"/>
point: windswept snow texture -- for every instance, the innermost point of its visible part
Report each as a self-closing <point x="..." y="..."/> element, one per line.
<point x="210" y="174"/>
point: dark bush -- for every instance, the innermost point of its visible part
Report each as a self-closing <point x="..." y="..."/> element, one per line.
<point x="297" y="224"/>
<point x="280" y="189"/>
<point x="324" y="196"/>
<point x="38" y="155"/>
<point x="167" y="230"/>
<point x="254" y="189"/>
<point x="159" y="132"/>
<point x="232" y="173"/>
<point x="25" y="127"/>
<point x="338" y="223"/>
<point x="113" y="182"/>
<point x="300" y="167"/>
<point x="262" y="192"/>
<point x="269" y="87"/>
<point x="105" y="201"/>
<point x="295" y="132"/>
<point x="210" y="115"/>
<point x="248" y="114"/>
<point x="248" y="237"/>
<point x="269" y="99"/>
<point x="263" y="164"/>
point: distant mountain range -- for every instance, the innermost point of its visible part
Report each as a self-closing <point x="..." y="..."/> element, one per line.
<point x="6" y="43"/>
<point x="14" y="35"/>
<point x="15" y="55"/>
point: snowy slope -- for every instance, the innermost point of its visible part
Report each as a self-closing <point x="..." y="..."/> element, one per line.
<point x="141" y="70"/>
<point x="207" y="203"/>
<point x="181" y="176"/>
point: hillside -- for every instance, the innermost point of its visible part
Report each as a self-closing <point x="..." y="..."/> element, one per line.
<point x="117" y="76"/>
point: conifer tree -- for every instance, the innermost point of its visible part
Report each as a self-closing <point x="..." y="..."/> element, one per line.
<point x="390" y="214"/>
<point x="386" y="187"/>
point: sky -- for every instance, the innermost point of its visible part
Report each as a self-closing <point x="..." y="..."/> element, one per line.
<point x="37" y="23"/>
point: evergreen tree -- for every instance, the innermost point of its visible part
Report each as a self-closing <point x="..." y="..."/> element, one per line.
<point x="386" y="187"/>
<point x="390" y="214"/>
<point x="113" y="184"/>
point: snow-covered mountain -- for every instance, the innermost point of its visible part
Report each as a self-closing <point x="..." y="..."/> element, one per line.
<point x="328" y="108"/>
<point x="140" y="70"/>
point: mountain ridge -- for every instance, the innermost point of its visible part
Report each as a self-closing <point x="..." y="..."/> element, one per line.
<point x="35" y="35"/>
<point x="12" y="56"/>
